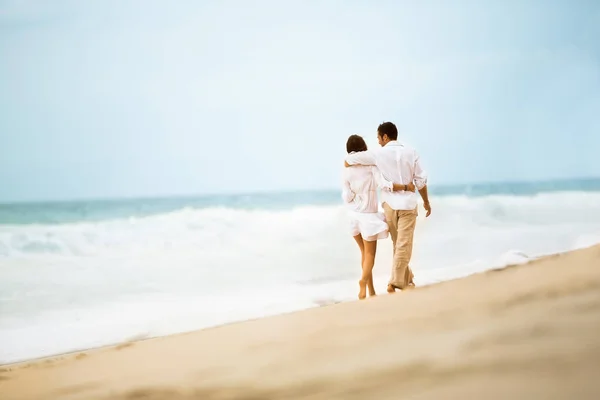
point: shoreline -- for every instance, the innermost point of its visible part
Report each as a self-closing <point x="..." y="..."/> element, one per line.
<point x="489" y="332"/>
<point x="142" y="338"/>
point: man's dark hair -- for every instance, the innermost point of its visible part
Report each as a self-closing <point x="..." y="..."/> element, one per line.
<point x="389" y="129"/>
<point x="355" y="143"/>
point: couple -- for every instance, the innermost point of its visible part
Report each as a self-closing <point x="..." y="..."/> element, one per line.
<point x="396" y="170"/>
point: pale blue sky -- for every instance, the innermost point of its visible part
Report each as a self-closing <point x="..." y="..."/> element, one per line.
<point x="135" y="98"/>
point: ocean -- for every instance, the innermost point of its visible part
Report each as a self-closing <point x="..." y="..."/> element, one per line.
<point x="82" y="274"/>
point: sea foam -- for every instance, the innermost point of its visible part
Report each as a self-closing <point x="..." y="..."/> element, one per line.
<point x="77" y="285"/>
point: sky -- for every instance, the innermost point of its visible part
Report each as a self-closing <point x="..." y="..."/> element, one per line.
<point x="105" y="99"/>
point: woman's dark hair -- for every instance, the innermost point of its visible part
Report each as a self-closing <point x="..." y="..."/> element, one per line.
<point x="355" y="143"/>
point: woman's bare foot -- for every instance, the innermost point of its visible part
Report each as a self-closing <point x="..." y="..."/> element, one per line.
<point x="362" y="293"/>
<point x="371" y="288"/>
<point x="391" y="289"/>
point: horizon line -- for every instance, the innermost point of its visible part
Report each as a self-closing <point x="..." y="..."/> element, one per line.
<point x="273" y="191"/>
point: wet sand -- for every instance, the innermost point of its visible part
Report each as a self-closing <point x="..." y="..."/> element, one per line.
<point x="524" y="332"/>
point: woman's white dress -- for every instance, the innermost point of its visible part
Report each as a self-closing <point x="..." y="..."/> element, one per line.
<point x="360" y="195"/>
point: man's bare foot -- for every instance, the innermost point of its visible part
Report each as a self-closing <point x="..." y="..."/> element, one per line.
<point x="392" y="288"/>
<point x="362" y="293"/>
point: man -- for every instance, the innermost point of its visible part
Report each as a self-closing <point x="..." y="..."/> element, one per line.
<point x="397" y="163"/>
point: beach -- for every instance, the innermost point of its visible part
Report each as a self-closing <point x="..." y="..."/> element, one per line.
<point x="522" y="332"/>
<point x="180" y="190"/>
<point x="80" y="275"/>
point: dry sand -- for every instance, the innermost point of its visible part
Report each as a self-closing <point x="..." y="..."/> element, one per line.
<point x="525" y="332"/>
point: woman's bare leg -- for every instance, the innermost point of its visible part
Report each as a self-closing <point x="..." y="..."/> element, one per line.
<point x="370" y="248"/>
<point x="361" y="246"/>
<point x="360" y="242"/>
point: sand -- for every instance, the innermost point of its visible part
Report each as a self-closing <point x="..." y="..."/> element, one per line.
<point x="523" y="332"/>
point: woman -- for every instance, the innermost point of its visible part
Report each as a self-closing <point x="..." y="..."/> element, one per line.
<point x="367" y="224"/>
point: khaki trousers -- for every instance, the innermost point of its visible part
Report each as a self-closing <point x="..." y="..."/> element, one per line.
<point x="401" y="224"/>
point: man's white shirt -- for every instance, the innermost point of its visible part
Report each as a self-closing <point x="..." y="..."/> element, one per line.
<point x="398" y="163"/>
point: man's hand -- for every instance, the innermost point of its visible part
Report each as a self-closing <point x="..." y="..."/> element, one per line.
<point x="427" y="208"/>
<point x="425" y="197"/>
<point x="410" y="187"/>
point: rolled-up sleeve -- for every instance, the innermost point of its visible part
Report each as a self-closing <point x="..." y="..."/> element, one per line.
<point x="420" y="175"/>
<point x="361" y="158"/>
